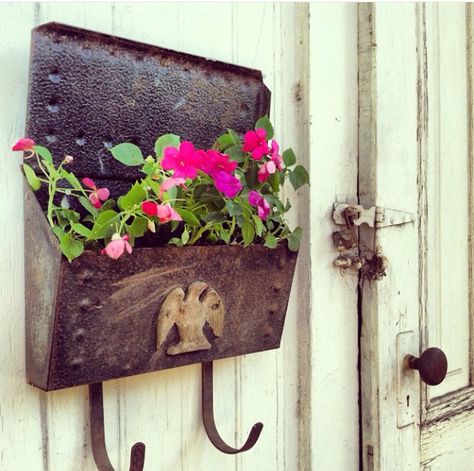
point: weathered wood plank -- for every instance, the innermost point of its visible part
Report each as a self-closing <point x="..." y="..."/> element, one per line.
<point x="332" y="373"/>
<point x="388" y="166"/>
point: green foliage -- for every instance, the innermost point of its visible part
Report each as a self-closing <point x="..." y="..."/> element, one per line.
<point x="299" y="177"/>
<point x="198" y="212"/>
<point x="289" y="157"/>
<point x="135" y="196"/>
<point x="31" y="177"/>
<point x="129" y="154"/>
<point x="44" y="153"/>
<point x="265" y="123"/>
<point x="71" y="247"/>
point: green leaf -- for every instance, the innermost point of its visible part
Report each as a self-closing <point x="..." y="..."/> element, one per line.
<point x="88" y="205"/>
<point x="31" y="177"/>
<point x="82" y="230"/>
<point x="248" y="232"/>
<point x="71" y="179"/>
<point x="167" y="140"/>
<point x="234" y="136"/>
<point x="109" y="204"/>
<point x="185" y="237"/>
<point x="138" y="227"/>
<point x="265" y="123"/>
<point x="299" y="177"/>
<point x="235" y="153"/>
<point x="270" y="241"/>
<point x="225" y="235"/>
<point x="127" y="153"/>
<point x="148" y="168"/>
<point x="135" y="195"/>
<point x="44" y="153"/>
<point x="274" y="181"/>
<point x="294" y="239"/>
<point x="188" y="217"/>
<point x="289" y="157"/>
<point x="69" y="214"/>
<point x="175" y="241"/>
<point x="225" y="141"/>
<point x="214" y="217"/>
<point x="233" y="208"/>
<point x="71" y="247"/>
<point x="58" y="231"/>
<point x="259" y="227"/>
<point x="104" y="225"/>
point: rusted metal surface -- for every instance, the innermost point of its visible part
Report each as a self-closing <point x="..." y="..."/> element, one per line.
<point x="42" y="266"/>
<point x="208" y="416"/>
<point x="89" y="91"/>
<point x="105" y="312"/>
<point x="99" y="451"/>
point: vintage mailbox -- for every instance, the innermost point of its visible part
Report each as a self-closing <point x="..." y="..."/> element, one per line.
<point x="97" y="319"/>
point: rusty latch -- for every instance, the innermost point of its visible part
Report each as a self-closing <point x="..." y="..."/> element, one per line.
<point x="375" y="216"/>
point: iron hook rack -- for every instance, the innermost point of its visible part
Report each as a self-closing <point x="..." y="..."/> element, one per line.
<point x="101" y="458"/>
<point x="208" y="416"/>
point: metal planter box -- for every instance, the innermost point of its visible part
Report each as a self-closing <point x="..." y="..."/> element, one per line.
<point x="163" y="307"/>
<point x="97" y="319"/>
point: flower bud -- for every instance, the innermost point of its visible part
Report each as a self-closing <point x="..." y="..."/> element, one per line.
<point x="68" y="159"/>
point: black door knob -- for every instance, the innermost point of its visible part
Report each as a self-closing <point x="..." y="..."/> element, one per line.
<point x="432" y="365"/>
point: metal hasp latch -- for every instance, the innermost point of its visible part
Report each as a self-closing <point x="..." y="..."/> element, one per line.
<point x="346" y="241"/>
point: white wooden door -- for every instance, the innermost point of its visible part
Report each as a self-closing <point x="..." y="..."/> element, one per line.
<point x="305" y="393"/>
<point x="416" y="134"/>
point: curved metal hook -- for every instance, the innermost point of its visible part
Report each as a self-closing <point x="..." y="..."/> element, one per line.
<point x="96" y="409"/>
<point x="208" y="416"/>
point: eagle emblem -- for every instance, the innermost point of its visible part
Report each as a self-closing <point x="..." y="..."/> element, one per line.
<point x="190" y="312"/>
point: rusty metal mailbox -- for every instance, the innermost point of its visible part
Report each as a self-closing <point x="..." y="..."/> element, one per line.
<point x="96" y="318"/>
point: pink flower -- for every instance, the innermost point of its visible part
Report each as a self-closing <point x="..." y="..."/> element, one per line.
<point x="170" y="183"/>
<point x="215" y="162"/>
<point x="164" y="212"/>
<point x="23" y="144"/>
<point x="276" y="157"/>
<point x="258" y="201"/>
<point x="267" y="169"/>
<point x="255" y="143"/>
<point x="117" y="246"/>
<point x="185" y="162"/>
<point x="227" y="183"/>
<point x="98" y="194"/>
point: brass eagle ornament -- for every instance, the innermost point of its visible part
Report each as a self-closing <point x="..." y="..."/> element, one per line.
<point x="190" y="312"/>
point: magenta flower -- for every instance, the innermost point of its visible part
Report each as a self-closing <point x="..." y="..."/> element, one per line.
<point x="23" y="144"/>
<point x="227" y="184"/>
<point x="258" y="201"/>
<point x="164" y="212"/>
<point x="276" y="157"/>
<point x="255" y="143"/>
<point x="267" y="169"/>
<point x="215" y="162"/>
<point x="170" y="183"/>
<point x="117" y="246"/>
<point x="185" y="161"/>
<point x="97" y="194"/>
